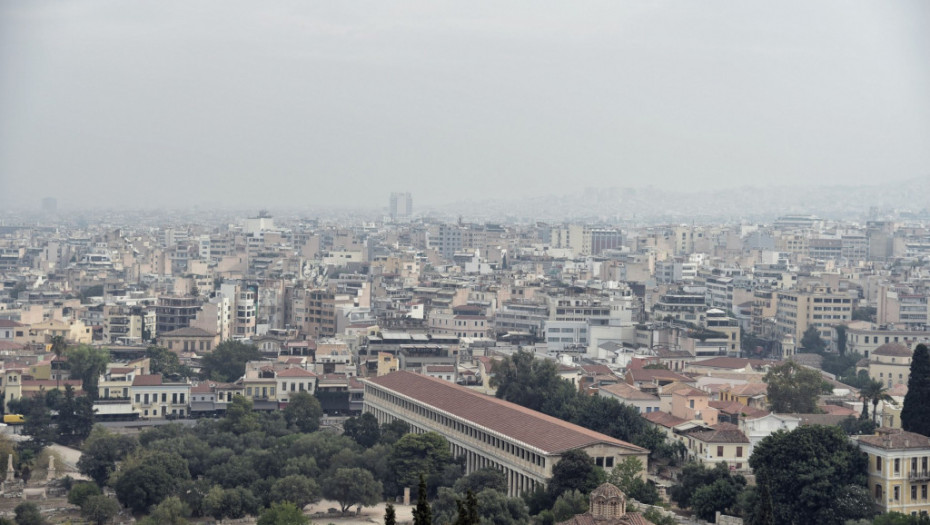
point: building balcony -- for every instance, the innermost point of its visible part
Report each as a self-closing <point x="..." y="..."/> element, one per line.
<point x="919" y="475"/>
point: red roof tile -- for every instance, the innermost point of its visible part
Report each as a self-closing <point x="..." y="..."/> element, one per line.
<point x="538" y="430"/>
<point x="295" y="372"/>
<point x="147" y="380"/>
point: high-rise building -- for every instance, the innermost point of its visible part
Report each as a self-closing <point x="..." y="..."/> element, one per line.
<point x="401" y="206"/>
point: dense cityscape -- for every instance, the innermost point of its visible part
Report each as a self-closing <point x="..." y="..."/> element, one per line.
<point x="260" y="364"/>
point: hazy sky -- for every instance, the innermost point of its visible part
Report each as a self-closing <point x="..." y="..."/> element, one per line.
<point x="271" y="103"/>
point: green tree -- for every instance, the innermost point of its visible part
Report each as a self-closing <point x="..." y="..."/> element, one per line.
<point x="574" y="471"/>
<point x="75" y="417"/>
<point x="529" y="382"/>
<point x="481" y="479"/>
<point x="363" y="429"/>
<point x="240" y="419"/>
<point x="805" y="472"/>
<point x="393" y="431"/>
<point x="794" y="388"/>
<point x="38" y="425"/>
<point x="27" y="513"/>
<point x="303" y="411"/>
<point x="297" y="489"/>
<point x="811" y="341"/>
<point x="874" y="392"/>
<point x="626" y="475"/>
<point x="101" y="452"/>
<point x="495" y="507"/>
<point x="165" y="362"/>
<point x="422" y="514"/>
<point x="915" y="415"/>
<point x="352" y="486"/>
<point x="59" y="345"/>
<point x="418" y="455"/>
<point x="81" y="491"/>
<point x="695" y="476"/>
<point x="865" y="313"/>
<point x="840" y="338"/>
<point x="171" y="511"/>
<point x="226" y="363"/>
<point x="148" y="478"/>
<point x="283" y="513"/>
<point x="467" y="510"/>
<point x="87" y="364"/>
<point x="390" y="515"/>
<point x="721" y="495"/>
<point x="99" y="509"/>
<point x="568" y="504"/>
<point x="231" y="503"/>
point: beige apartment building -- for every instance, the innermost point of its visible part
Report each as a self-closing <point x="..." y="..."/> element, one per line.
<point x="818" y="306"/>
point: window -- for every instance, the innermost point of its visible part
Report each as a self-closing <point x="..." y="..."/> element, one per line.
<point x="878" y="463"/>
<point x="739" y="452"/>
<point x="913" y="492"/>
<point x="719" y="451"/>
<point x="897" y="466"/>
<point x="897" y="492"/>
<point x="923" y="491"/>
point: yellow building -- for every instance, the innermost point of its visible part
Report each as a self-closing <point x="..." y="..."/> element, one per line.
<point x="890" y="363"/>
<point x="898" y="470"/>
<point x="818" y="306"/>
<point x="387" y="363"/>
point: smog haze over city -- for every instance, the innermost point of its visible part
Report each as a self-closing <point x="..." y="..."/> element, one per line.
<point x="110" y="104"/>
<point x="604" y="262"/>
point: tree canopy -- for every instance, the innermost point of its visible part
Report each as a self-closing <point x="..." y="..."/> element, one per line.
<point x="536" y="384"/>
<point x="87" y="363"/>
<point x="352" y="486"/>
<point x="811" y="341"/>
<point x="165" y="362"/>
<point x="794" y="388"/>
<point x="226" y="363"/>
<point x="303" y="411"/>
<point x="803" y="473"/>
<point x="915" y="415"/>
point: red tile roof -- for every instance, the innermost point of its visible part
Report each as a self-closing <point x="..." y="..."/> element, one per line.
<point x="295" y="372"/>
<point x="896" y="439"/>
<point x="733" y="363"/>
<point x="147" y="380"/>
<point x="735" y="407"/>
<point x="664" y="419"/>
<point x="721" y="433"/>
<point x="892" y="349"/>
<point x="651" y="374"/>
<point x="538" y="430"/>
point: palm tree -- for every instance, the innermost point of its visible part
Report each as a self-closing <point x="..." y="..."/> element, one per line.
<point x="874" y="391"/>
<point x="59" y="346"/>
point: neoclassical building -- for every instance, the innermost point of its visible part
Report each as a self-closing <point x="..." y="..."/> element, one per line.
<point x="487" y="431"/>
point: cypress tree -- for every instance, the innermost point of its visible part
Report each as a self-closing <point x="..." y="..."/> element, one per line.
<point x="422" y="513"/>
<point x="915" y="416"/>
<point x="390" y="517"/>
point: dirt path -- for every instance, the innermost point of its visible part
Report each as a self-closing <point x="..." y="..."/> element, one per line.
<point x="367" y="516"/>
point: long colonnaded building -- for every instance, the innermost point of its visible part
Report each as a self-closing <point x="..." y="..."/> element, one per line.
<point x="490" y="432"/>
